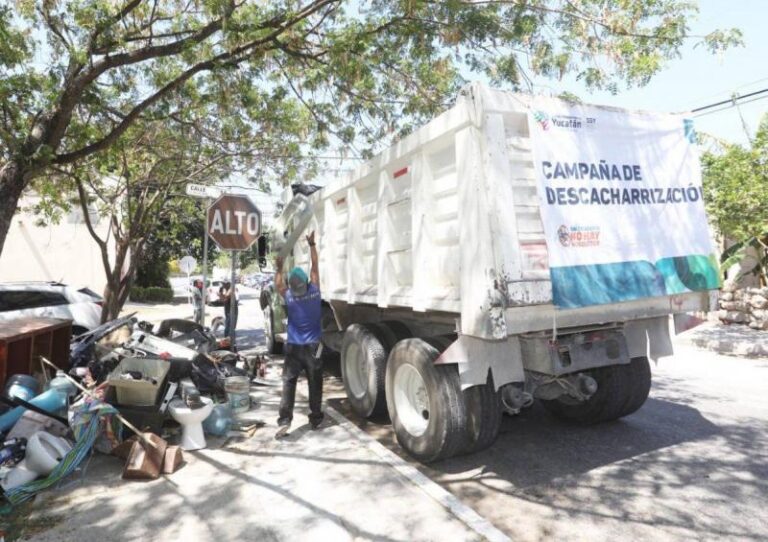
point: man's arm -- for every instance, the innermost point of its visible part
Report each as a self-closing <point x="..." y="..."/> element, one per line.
<point x="279" y="282"/>
<point x="314" y="272"/>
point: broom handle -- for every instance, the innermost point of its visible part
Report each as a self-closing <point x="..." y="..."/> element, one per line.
<point x="128" y="424"/>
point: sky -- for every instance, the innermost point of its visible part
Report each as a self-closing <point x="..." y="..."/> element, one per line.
<point x="700" y="78"/>
<point x="696" y="79"/>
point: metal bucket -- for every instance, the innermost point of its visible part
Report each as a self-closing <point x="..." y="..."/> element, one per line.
<point x="238" y="393"/>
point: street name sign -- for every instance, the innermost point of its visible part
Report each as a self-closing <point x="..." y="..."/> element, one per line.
<point x="203" y="191"/>
<point x="234" y="222"/>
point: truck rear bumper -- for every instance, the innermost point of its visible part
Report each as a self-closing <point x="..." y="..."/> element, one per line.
<point x="529" y="319"/>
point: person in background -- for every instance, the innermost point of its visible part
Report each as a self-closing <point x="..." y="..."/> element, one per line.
<point x="303" y="348"/>
<point x="228" y="298"/>
<point x="197" y="301"/>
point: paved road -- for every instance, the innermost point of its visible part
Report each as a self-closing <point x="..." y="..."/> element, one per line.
<point x="691" y="464"/>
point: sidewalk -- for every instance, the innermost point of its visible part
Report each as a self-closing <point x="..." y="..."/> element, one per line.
<point x="313" y="485"/>
<point x="734" y="339"/>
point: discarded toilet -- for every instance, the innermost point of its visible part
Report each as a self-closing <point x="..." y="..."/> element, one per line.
<point x="191" y="420"/>
<point x="44" y="452"/>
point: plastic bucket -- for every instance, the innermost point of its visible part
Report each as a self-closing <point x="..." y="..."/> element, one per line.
<point x="238" y="396"/>
<point x="24" y="387"/>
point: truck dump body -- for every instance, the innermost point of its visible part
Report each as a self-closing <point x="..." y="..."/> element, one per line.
<point x="448" y="220"/>
<point x="438" y="259"/>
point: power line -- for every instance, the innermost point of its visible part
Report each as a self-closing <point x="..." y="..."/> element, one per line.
<point x="726" y="108"/>
<point x="731" y="101"/>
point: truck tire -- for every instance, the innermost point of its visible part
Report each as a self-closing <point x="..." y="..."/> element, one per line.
<point x="639" y="386"/>
<point x="363" y="369"/>
<point x="484" y="414"/>
<point x="394" y="332"/>
<point x="425" y="401"/>
<point x="273" y="346"/>
<point x="621" y="390"/>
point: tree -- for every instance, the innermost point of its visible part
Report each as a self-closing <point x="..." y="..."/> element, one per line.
<point x="178" y="234"/>
<point x="365" y="72"/>
<point x="736" y="194"/>
<point x="137" y="183"/>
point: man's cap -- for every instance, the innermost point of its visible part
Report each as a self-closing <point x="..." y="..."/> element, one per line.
<point x="297" y="281"/>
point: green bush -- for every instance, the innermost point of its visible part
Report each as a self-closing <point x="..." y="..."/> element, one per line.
<point x="153" y="294"/>
<point x="152" y="272"/>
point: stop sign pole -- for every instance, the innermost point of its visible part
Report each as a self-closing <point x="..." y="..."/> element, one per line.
<point x="234" y="224"/>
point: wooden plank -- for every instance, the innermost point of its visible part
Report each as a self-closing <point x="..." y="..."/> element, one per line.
<point x="25" y="326"/>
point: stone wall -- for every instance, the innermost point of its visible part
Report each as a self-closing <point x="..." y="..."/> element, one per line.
<point x="747" y="306"/>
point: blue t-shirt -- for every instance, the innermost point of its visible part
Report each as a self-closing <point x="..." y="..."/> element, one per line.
<point x="304" y="314"/>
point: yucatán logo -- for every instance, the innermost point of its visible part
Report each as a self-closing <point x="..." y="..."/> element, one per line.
<point x="565" y="122"/>
<point x="542" y="118"/>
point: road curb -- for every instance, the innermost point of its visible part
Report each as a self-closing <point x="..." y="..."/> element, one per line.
<point x="461" y="511"/>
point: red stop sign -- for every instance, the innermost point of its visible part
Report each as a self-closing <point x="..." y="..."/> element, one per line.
<point x="234" y="222"/>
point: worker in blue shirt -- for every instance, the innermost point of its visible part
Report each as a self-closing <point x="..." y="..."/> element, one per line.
<point x="303" y="348"/>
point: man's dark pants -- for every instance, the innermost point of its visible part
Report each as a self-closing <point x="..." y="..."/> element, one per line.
<point x="301" y="357"/>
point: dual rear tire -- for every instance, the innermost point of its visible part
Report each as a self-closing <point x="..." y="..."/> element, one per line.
<point x="364" y="353"/>
<point x="386" y="372"/>
<point x="621" y="390"/>
<point x="432" y="417"/>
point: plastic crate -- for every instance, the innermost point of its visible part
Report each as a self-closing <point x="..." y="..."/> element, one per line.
<point x="139" y="392"/>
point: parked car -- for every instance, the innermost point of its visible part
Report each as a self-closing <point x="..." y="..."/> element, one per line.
<point x="51" y="300"/>
<point x="213" y="292"/>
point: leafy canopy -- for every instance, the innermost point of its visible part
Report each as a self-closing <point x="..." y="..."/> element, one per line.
<point x="736" y="193"/>
<point x="75" y="74"/>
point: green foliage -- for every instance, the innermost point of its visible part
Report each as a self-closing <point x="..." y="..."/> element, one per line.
<point x="152" y="272"/>
<point x="152" y="294"/>
<point x="340" y="72"/>
<point x="736" y="194"/>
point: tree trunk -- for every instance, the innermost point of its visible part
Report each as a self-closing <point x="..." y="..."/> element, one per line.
<point x="11" y="187"/>
<point x="111" y="307"/>
<point x="114" y="290"/>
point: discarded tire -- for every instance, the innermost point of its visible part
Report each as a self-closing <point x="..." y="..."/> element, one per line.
<point x="621" y="390"/>
<point x="425" y="402"/>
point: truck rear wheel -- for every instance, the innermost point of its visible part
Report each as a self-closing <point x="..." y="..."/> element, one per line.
<point x="483" y="405"/>
<point x="621" y="390"/>
<point x="364" y="353"/>
<point x="484" y="415"/>
<point x="425" y="401"/>
<point x="363" y="367"/>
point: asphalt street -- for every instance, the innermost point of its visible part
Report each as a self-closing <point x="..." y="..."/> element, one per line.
<point x="691" y="464"/>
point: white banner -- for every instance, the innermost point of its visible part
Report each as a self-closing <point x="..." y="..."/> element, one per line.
<point x="622" y="203"/>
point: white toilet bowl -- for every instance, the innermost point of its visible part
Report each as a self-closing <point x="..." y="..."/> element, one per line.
<point x="191" y="420"/>
<point x="44" y="452"/>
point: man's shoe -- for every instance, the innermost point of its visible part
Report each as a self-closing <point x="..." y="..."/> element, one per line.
<point x="282" y="431"/>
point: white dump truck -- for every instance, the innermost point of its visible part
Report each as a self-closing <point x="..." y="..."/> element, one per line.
<point x="438" y="276"/>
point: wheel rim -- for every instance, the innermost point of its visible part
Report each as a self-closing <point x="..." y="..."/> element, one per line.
<point x="411" y="400"/>
<point x="355" y="371"/>
<point x="268" y="329"/>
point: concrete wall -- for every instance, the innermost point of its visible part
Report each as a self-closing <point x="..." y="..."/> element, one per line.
<point x="61" y="252"/>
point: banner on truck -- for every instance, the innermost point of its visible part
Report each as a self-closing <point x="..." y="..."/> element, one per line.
<point x="621" y="202"/>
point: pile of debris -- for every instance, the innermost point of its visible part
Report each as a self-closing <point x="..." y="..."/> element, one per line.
<point x="129" y="387"/>
<point x="744" y="306"/>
